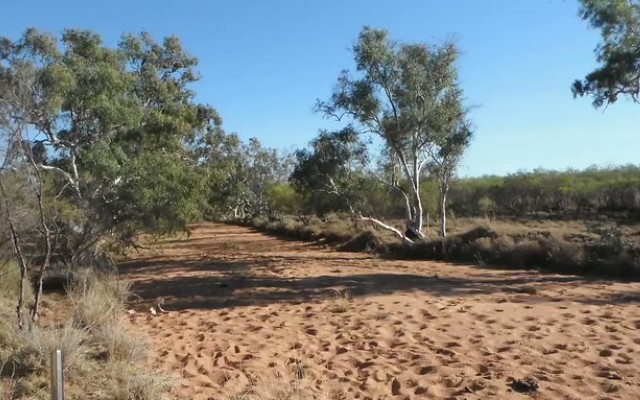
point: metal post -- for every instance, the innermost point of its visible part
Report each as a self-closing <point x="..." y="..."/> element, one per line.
<point x="57" y="381"/>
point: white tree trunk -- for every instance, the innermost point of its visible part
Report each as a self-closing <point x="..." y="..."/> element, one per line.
<point x="443" y="217"/>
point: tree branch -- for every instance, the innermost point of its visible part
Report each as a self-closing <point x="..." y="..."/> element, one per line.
<point x="388" y="227"/>
<point x="66" y="175"/>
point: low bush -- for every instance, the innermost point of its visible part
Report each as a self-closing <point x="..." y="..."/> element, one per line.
<point x="608" y="254"/>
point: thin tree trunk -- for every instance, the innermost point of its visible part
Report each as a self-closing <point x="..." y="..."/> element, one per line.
<point x="428" y="222"/>
<point x="443" y="217"/>
<point x="418" y="216"/>
<point x="416" y="191"/>
<point x="46" y="232"/>
<point x="407" y="202"/>
<point x="15" y="239"/>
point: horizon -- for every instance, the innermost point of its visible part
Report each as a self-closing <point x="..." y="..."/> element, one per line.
<point x="264" y="65"/>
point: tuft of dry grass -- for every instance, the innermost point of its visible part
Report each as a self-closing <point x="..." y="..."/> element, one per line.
<point x="120" y="343"/>
<point x="7" y="381"/>
<point x="126" y="381"/>
<point x="340" y="303"/>
<point x="38" y="344"/>
<point x="7" y="389"/>
<point x="296" y="383"/>
<point x="98" y="299"/>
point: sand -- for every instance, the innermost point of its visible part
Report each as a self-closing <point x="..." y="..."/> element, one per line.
<point x="250" y="316"/>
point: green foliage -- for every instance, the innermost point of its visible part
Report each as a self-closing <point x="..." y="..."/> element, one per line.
<point x="486" y="205"/>
<point x="284" y="199"/>
<point x="112" y="130"/>
<point x="408" y="96"/>
<point x="569" y="192"/>
<point x="238" y="176"/>
<point x="328" y="173"/>
<point x="619" y="72"/>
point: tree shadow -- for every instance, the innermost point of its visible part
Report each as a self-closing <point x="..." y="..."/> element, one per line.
<point x="239" y="284"/>
<point x="245" y="269"/>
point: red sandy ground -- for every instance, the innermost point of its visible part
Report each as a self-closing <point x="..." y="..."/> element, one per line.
<point x="250" y="316"/>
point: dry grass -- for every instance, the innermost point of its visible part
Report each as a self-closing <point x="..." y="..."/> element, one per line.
<point x="7" y="388"/>
<point x="37" y="345"/>
<point x="298" y="383"/>
<point x="601" y="247"/>
<point x="126" y="381"/>
<point x="120" y="343"/>
<point x="274" y="389"/>
<point x="98" y="299"/>
<point x="103" y="357"/>
<point x="340" y="303"/>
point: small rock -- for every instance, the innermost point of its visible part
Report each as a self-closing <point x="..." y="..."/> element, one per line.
<point x="528" y="385"/>
<point x="605" y="353"/>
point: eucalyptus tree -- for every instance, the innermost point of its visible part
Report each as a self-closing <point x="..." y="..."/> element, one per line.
<point x="618" y="55"/>
<point x="329" y="172"/>
<point x="408" y="96"/>
<point x="117" y="123"/>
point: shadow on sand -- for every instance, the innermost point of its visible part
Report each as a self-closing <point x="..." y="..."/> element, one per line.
<point x="238" y="283"/>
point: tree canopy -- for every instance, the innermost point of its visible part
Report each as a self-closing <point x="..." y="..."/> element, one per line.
<point x="619" y="53"/>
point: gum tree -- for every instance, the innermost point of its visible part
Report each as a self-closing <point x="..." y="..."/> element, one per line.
<point x="408" y="96"/>
<point x="618" y="73"/>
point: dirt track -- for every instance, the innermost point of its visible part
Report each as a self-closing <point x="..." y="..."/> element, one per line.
<point x="251" y="315"/>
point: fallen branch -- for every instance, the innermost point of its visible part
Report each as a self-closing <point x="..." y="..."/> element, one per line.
<point x="388" y="227"/>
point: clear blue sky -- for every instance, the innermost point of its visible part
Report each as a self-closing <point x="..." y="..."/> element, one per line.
<point x="265" y="62"/>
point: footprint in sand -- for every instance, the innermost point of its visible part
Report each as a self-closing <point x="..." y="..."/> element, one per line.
<point x="426" y="370"/>
<point x="624" y="358"/>
<point x="475" y="341"/>
<point x="533" y="328"/>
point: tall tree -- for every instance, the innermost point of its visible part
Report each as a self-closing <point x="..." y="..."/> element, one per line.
<point x="117" y="123"/>
<point x="619" y="53"/>
<point x="407" y="95"/>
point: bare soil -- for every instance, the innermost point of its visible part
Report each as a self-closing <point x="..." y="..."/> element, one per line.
<point x="251" y="316"/>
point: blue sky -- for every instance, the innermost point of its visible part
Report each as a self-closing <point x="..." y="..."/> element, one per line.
<point x="264" y="63"/>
